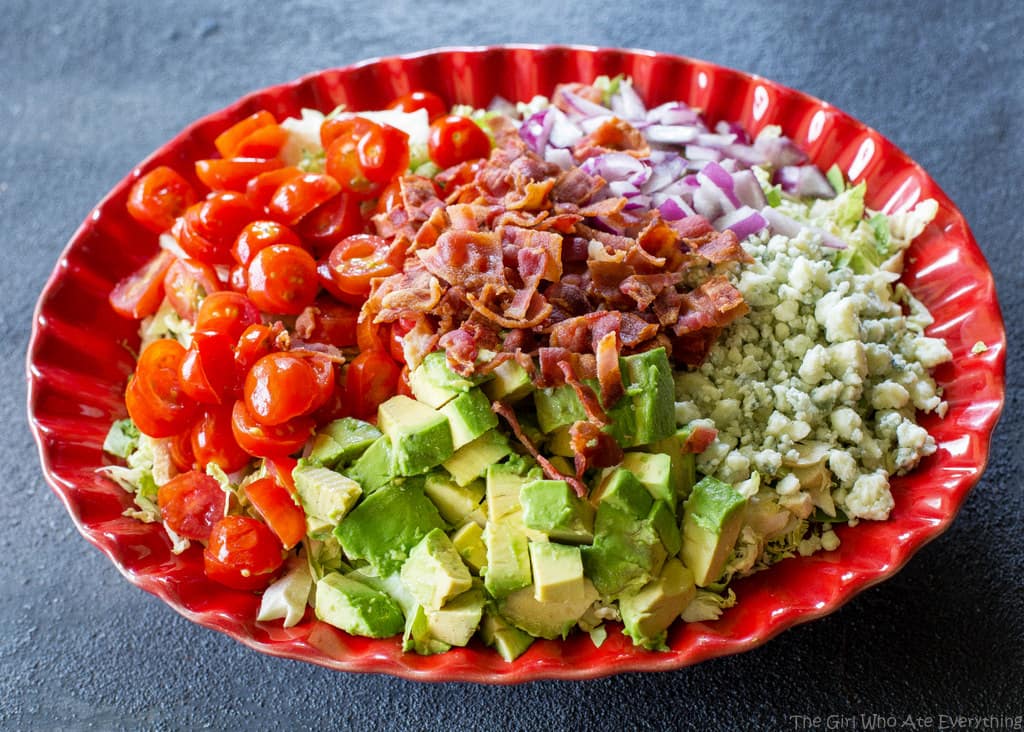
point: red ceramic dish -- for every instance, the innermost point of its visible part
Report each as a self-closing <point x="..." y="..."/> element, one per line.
<point x="78" y="363"/>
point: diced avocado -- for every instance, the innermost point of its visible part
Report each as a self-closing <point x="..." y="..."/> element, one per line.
<point x="503" y="486"/>
<point x="647" y="377"/>
<point x="557" y="572"/>
<point x="654" y="470"/>
<point x="420" y="436"/>
<point x="624" y="491"/>
<point x="373" y="470"/>
<point x="418" y="637"/>
<point x="712" y="519"/>
<point x="469" y="543"/>
<point x="684" y="469"/>
<point x="455" y="502"/>
<point x="434" y="384"/>
<point x="342" y="441"/>
<point x="551" y="507"/>
<point x="557" y="406"/>
<point x="357" y="608"/>
<point x="502" y="636"/>
<point x="434" y="572"/>
<point x="326" y="496"/>
<point x="469" y="416"/>
<point x="455" y="623"/>
<point x="560" y="442"/>
<point x="546" y="619"/>
<point x="562" y="465"/>
<point x="387" y="524"/>
<point x="471" y="461"/>
<point x="324" y="556"/>
<point x="508" y="559"/>
<point x="511" y="383"/>
<point x="427" y="392"/>
<point x="649" y="612"/>
<point x="627" y="551"/>
<point x="664" y="522"/>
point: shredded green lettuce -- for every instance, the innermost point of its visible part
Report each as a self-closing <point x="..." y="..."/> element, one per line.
<point x="148" y="466"/>
<point x="122" y="439"/>
<point x="708" y="605"/>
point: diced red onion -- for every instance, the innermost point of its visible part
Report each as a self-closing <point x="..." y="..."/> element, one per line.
<point x="560" y="157"/>
<point x="710" y="139"/>
<point x="671" y="134"/>
<point x="787" y="226"/>
<point x="589" y="125"/>
<point x="563" y="132"/>
<point x="707" y="201"/>
<point x="743" y="222"/>
<point x="674" y="208"/>
<point x="804" y="181"/>
<point x="779" y="151"/>
<point x="618" y="166"/>
<point x="627" y="103"/>
<point x="580" y="107"/>
<point x="700" y="152"/>
<point x="536" y="129"/>
<point x="748" y="190"/>
<point x="745" y="154"/>
<point x="733" y="128"/>
<point x="714" y="174"/>
<point x="675" y="113"/>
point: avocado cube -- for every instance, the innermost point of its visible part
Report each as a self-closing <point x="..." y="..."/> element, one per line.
<point x="342" y="441"/>
<point x="560" y="442"/>
<point x="325" y="496"/>
<point x="557" y="572"/>
<point x="502" y="636"/>
<point x="508" y="559"/>
<point x="654" y="470"/>
<point x="712" y="518"/>
<point x="417" y="637"/>
<point x="683" y="466"/>
<point x="510" y="384"/>
<point x="664" y="522"/>
<point x="324" y="556"/>
<point x="546" y="619"/>
<point x="648" y="612"/>
<point x="420" y="436"/>
<point x="627" y="551"/>
<point x="455" y="502"/>
<point x="562" y="465"/>
<point x="434" y="572"/>
<point x="470" y="461"/>
<point x="469" y="416"/>
<point x="456" y="622"/>
<point x="387" y="524"/>
<point x="435" y="384"/>
<point x="427" y="391"/>
<point x="621" y="489"/>
<point x="503" y="487"/>
<point x="357" y="608"/>
<point x="556" y="407"/>
<point x="469" y="543"/>
<point x="647" y="377"/>
<point x="373" y="469"/>
<point x="551" y="507"/>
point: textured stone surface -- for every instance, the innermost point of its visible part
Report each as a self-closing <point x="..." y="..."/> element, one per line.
<point x="88" y="89"/>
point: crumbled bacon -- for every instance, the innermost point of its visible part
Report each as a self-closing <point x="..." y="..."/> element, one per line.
<point x="505" y="411"/>
<point x="700" y="439"/>
<point x="592" y="447"/>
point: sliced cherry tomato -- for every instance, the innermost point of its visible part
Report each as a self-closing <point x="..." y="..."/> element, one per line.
<point x="326" y="280"/>
<point x="187" y="283"/>
<point x="264" y="441"/>
<point x="299" y="196"/>
<point x="233" y="174"/>
<point x="238" y="280"/>
<point x="211" y="227"/>
<point x="323" y="370"/>
<point x="360" y="258"/>
<point x="282" y="279"/>
<point x="191" y="503"/>
<point x="421" y="100"/>
<point x="266" y="142"/>
<point x="345" y="163"/>
<point x="347" y="127"/>
<point x="396" y="342"/>
<point x="455" y="140"/>
<point x="243" y="553"/>
<point x="330" y="222"/>
<point x="262" y="188"/>
<point x="403" y="383"/>
<point x="276" y="506"/>
<point x="181" y="451"/>
<point x="280" y="387"/>
<point x="372" y="378"/>
<point x="327" y="321"/>
<point x="155" y="399"/>
<point x="383" y="153"/>
<point x="390" y="197"/>
<point x="281" y="468"/>
<point x="213" y="441"/>
<point x="208" y="368"/>
<point x="159" y="197"/>
<point x="372" y="336"/>
<point x="227" y="312"/>
<point x="256" y="342"/>
<point x="260" y="235"/>
<point x="139" y="294"/>
<point x="228" y="141"/>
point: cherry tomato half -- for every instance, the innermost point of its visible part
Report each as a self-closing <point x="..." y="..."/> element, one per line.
<point x="421" y="100"/>
<point x="383" y="153"/>
<point x="228" y="141"/>
<point x="211" y="227"/>
<point x="262" y="188"/>
<point x="330" y="222"/>
<point x="260" y="235"/>
<point x="227" y="312"/>
<point x="191" y="503"/>
<point x="455" y="140"/>
<point x="208" y="368"/>
<point x="350" y="127"/>
<point x="327" y="321"/>
<point x="187" y="283"/>
<point x="243" y="553"/>
<point x="256" y="342"/>
<point x="278" y="508"/>
<point x="282" y="279"/>
<point x="372" y="378"/>
<point x="279" y="387"/>
<point x="325" y="277"/>
<point x="155" y="399"/>
<point x="266" y="142"/>
<point x="363" y="156"/>
<point x="360" y="258"/>
<point x="159" y="197"/>
<point x="181" y="451"/>
<point x="139" y="294"/>
<point x="264" y="441"/>
<point x="213" y="441"/>
<point x="298" y="196"/>
<point x="233" y="174"/>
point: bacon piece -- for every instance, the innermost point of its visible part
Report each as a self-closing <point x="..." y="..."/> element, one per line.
<point x="460" y="346"/>
<point x="418" y="342"/>
<point x="312" y="348"/>
<point x="719" y="247"/>
<point x="575" y="186"/>
<point x="614" y="135"/>
<point x="635" y="330"/>
<point x="692" y="227"/>
<point x="591" y="404"/>
<point x="586" y="91"/>
<point x="505" y="411"/>
<point x="700" y="439"/>
<point x="592" y="447"/>
<point x="431" y="229"/>
<point x="608" y="374"/>
<point x="532" y="197"/>
<point x="537" y="312"/>
<point x="608" y="208"/>
<point x="644" y="289"/>
<point x="419" y="197"/>
<point x="693" y="348"/>
<point x="714" y="304"/>
<point x="467" y="258"/>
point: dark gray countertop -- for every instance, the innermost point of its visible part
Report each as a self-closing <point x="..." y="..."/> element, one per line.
<point x="89" y="89"/>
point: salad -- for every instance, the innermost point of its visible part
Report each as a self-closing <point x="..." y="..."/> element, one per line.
<point x="446" y="373"/>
